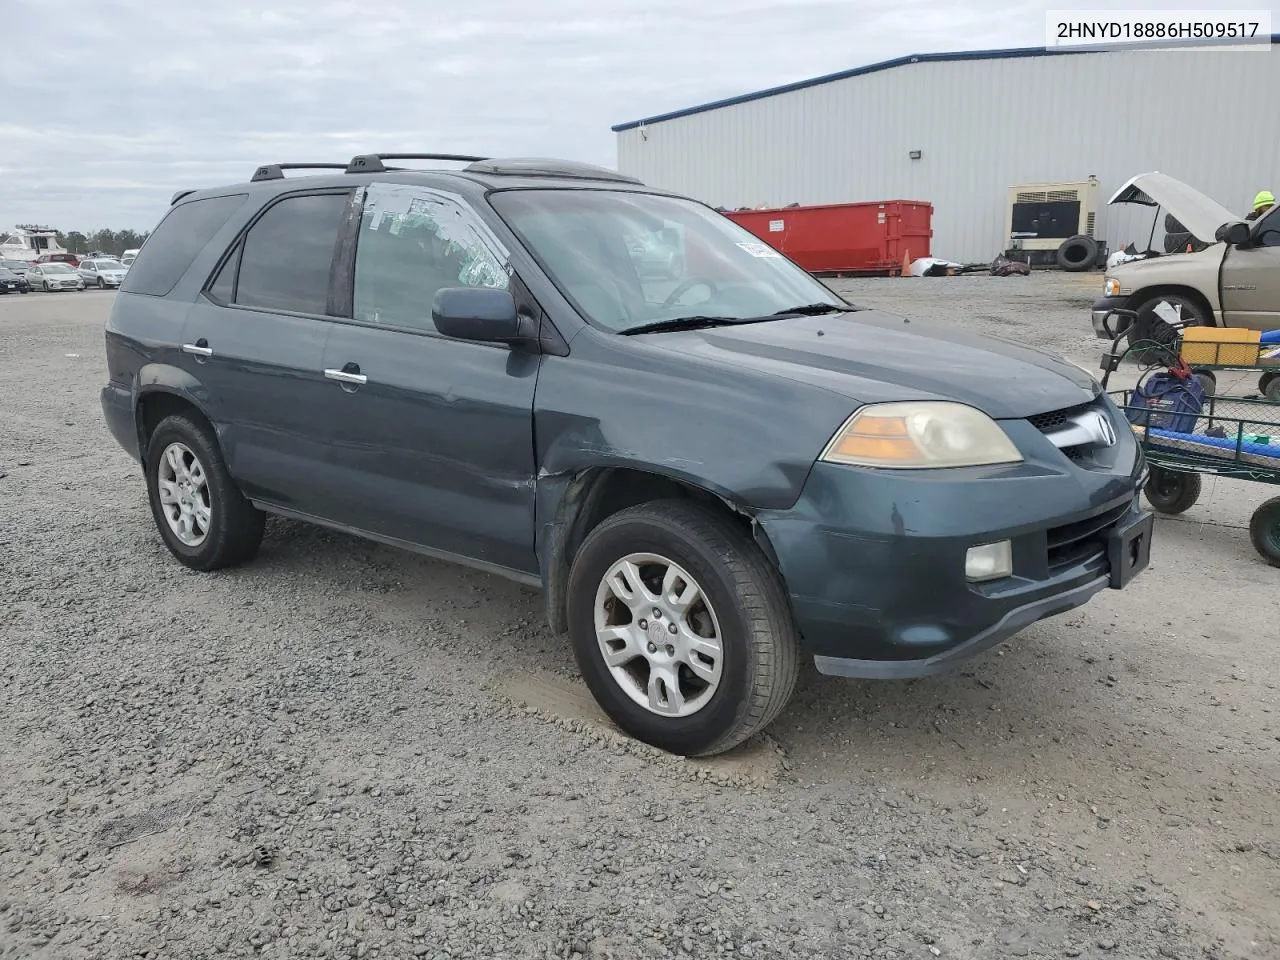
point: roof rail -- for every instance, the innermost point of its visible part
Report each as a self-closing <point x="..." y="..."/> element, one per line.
<point x="179" y="195"/>
<point x="275" y="171"/>
<point x="541" y="167"/>
<point x="372" y="162"/>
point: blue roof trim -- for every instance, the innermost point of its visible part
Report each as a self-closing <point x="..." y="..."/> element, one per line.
<point x="1011" y="54"/>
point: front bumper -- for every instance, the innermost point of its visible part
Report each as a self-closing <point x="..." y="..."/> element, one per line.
<point x="1106" y="326"/>
<point x="874" y="561"/>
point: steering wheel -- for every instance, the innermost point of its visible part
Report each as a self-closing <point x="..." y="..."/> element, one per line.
<point x="685" y="287"/>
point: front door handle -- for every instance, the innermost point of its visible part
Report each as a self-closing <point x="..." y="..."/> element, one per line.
<point x="200" y="348"/>
<point x="348" y="374"/>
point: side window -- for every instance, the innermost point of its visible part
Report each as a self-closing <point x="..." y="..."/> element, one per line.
<point x="287" y="257"/>
<point x="411" y="243"/>
<point x="181" y="235"/>
<point x="223" y="287"/>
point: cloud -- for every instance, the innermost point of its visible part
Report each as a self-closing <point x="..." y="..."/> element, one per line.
<point x="137" y="99"/>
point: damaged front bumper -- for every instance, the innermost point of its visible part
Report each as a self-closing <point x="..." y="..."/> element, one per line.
<point x="875" y="564"/>
<point x="1107" y="325"/>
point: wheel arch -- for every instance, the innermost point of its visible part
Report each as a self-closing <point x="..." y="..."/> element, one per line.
<point x="1141" y="296"/>
<point x="576" y="503"/>
<point x="159" y="400"/>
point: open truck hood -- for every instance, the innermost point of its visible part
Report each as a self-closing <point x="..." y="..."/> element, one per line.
<point x="1196" y="212"/>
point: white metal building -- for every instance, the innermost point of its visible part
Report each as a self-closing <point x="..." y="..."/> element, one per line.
<point x="982" y="122"/>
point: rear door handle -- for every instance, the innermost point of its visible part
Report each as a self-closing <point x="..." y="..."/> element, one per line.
<point x="200" y="348"/>
<point x="347" y="376"/>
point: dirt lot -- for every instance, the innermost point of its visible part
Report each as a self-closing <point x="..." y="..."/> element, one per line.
<point x="345" y="751"/>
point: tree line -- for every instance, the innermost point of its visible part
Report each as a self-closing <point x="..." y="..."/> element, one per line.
<point x="113" y="242"/>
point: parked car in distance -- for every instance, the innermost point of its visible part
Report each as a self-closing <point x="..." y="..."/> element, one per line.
<point x="53" y="276"/>
<point x="11" y="282"/>
<point x="20" y="267"/>
<point x="102" y="273"/>
<point x="70" y="259"/>
<point x="708" y="476"/>
<point x="129" y="256"/>
<point x="1232" y="280"/>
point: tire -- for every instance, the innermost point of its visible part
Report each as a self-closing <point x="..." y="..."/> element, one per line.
<point x="46" y="285"/>
<point x="1077" y="253"/>
<point x="1272" y="389"/>
<point x="1171" y="491"/>
<point x="1148" y="327"/>
<point x="232" y="532"/>
<point x="749" y="611"/>
<point x="1265" y="379"/>
<point x="1208" y="381"/>
<point x="102" y="284"/>
<point x="1264" y="531"/>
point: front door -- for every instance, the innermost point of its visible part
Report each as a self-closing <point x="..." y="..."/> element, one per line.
<point x="254" y="341"/>
<point x="1251" y="279"/>
<point x="431" y="438"/>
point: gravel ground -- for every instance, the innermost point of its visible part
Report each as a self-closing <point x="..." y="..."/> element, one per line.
<point x="341" y="750"/>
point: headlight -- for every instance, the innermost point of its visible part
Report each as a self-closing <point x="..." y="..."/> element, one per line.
<point x="920" y="435"/>
<point x="1111" y="287"/>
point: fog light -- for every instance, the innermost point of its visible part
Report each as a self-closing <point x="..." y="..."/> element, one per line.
<point x="991" y="561"/>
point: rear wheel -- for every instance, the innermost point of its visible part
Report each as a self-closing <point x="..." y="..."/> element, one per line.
<point x="1208" y="381"/>
<point x="202" y="517"/>
<point x="1264" y="531"/>
<point x="1272" y="389"/>
<point x="681" y="628"/>
<point x="1172" y="492"/>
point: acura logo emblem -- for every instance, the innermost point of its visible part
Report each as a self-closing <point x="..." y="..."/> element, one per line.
<point x="1105" y="433"/>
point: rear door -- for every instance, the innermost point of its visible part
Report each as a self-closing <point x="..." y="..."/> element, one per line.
<point x="255" y="340"/>
<point x="1251" y="279"/>
<point x="431" y="438"/>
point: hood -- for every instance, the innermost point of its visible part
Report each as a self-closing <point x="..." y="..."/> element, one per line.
<point x="873" y="357"/>
<point x="1193" y="209"/>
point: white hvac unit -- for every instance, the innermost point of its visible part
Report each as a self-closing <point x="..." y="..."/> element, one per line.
<point x="1053" y="223"/>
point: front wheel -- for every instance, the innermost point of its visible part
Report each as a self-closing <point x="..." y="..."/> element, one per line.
<point x="681" y="628"/>
<point x="102" y="284"/>
<point x="201" y="514"/>
<point x="1271" y="389"/>
<point x="1264" y="531"/>
<point x="1172" y="492"/>
<point x="1149" y="329"/>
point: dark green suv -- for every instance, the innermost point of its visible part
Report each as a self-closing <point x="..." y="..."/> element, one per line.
<point x="708" y="474"/>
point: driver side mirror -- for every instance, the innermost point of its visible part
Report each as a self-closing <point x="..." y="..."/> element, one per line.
<point x="1234" y="233"/>
<point x="481" y="314"/>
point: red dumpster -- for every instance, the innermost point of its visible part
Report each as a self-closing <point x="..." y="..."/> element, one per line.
<point x="844" y="237"/>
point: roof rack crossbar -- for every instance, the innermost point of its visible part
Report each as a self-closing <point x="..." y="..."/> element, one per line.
<point x="275" y="171"/>
<point x="372" y="162"/>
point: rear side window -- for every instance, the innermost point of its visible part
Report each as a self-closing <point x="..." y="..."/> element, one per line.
<point x="181" y="235"/>
<point x="286" y="259"/>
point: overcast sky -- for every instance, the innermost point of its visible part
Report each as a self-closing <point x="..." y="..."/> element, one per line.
<point x="137" y="98"/>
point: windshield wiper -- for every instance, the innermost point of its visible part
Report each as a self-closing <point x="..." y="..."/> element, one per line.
<point x="812" y="310"/>
<point x="682" y="323"/>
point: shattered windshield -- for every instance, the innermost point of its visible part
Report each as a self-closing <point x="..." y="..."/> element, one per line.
<point x="629" y="260"/>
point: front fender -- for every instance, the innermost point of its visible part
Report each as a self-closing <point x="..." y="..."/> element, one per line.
<point x="1194" y="273"/>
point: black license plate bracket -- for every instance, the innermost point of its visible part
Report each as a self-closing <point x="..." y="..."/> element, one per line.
<point x="1129" y="549"/>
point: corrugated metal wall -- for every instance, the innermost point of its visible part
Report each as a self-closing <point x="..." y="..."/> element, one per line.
<point x="1208" y="118"/>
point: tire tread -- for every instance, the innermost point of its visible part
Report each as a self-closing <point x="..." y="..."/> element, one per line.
<point x="239" y="534"/>
<point x="761" y="593"/>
